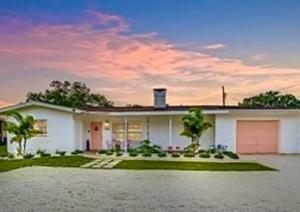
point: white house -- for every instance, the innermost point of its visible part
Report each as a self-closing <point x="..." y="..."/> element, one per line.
<point x="242" y="130"/>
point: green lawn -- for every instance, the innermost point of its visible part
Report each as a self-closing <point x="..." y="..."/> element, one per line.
<point x="65" y="161"/>
<point x="3" y="149"/>
<point x="196" y="166"/>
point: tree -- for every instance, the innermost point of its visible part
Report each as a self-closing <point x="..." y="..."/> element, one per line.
<point x="22" y="130"/>
<point x="271" y="99"/>
<point x="194" y="126"/>
<point x="75" y="94"/>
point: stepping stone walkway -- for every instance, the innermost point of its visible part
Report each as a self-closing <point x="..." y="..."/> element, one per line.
<point x="102" y="163"/>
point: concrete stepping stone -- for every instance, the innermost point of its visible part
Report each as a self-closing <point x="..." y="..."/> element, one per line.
<point x="101" y="164"/>
<point x="94" y="162"/>
<point x="112" y="164"/>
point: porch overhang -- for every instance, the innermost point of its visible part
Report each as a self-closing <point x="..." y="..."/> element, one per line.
<point x="156" y="113"/>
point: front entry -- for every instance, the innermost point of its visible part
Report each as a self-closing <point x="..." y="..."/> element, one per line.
<point x="96" y="135"/>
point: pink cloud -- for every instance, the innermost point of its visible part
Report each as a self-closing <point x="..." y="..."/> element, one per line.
<point x="131" y="65"/>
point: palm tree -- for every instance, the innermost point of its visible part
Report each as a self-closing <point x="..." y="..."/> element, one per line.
<point x="194" y="126"/>
<point x="22" y="130"/>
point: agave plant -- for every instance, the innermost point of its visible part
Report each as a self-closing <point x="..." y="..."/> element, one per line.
<point x="21" y="130"/>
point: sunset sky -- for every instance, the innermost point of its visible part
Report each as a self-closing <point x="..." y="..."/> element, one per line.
<point x="123" y="49"/>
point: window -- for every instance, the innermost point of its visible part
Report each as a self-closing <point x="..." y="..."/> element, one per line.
<point x="41" y="125"/>
<point x="134" y="131"/>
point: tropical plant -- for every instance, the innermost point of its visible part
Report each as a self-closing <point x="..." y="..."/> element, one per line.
<point x="271" y="99"/>
<point x="21" y="130"/>
<point x="75" y="94"/>
<point x="194" y="126"/>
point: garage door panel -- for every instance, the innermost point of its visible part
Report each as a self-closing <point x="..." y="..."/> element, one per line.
<point x="257" y="136"/>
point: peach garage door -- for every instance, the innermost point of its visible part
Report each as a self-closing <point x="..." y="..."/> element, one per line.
<point x="96" y="135"/>
<point x="257" y="136"/>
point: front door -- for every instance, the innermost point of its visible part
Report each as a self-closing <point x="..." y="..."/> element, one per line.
<point x="96" y="135"/>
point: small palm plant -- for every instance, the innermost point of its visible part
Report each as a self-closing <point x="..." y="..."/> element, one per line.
<point x="194" y="126"/>
<point x="21" y="130"/>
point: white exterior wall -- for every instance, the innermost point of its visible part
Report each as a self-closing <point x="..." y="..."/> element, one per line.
<point x="289" y="129"/>
<point x="60" y="131"/>
<point x="159" y="132"/>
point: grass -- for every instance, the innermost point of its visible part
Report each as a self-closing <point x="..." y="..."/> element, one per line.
<point x="65" y="161"/>
<point x="3" y="149"/>
<point x="195" y="166"/>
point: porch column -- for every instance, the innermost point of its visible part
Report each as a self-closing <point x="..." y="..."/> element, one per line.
<point x="125" y="133"/>
<point x="170" y="132"/>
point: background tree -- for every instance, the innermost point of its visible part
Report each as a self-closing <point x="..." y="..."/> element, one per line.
<point x="271" y="99"/>
<point x="194" y="126"/>
<point x="75" y="94"/>
<point x="21" y="130"/>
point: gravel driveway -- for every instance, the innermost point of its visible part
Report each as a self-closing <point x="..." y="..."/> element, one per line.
<point x="73" y="189"/>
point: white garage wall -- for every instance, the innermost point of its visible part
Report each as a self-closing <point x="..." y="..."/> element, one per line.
<point x="289" y="129"/>
<point x="60" y="131"/>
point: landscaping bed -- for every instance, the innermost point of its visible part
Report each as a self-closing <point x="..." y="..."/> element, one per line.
<point x="188" y="165"/>
<point x="61" y="161"/>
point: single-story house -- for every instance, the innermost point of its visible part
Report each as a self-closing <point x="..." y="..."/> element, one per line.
<point x="242" y="130"/>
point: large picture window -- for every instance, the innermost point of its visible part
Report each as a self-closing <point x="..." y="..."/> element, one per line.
<point x="41" y="126"/>
<point x="134" y="131"/>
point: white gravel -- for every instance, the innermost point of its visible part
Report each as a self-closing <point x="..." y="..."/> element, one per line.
<point x="74" y="189"/>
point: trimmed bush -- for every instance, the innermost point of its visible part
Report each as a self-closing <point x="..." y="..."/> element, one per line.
<point x="45" y="154"/>
<point x="147" y="154"/>
<point x="232" y="155"/>
<point x="189" y="154"/>
<point x="162" y="154"/>
<point x="204" y="155"/>
<point x="28" y="156"/>
<point x="175" y="154"/>
<point x="10" y="156"/>
<point x="219" y="155"/>
<point x="62" y="153"/>
<point x="118" y="154"/>
<point x="133" y="154"/>
<point x="109" y="152"/>
<point x="202" y="151"/>
<point x="4" y="155"/>
<point x="212" y="150"/>
<point x="102" y="151"/>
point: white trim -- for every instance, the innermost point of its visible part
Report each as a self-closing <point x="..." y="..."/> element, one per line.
<point x="170" y="132"/>
<point x="40" y="104"/>
<point x="149" y="113"/>
<point x="125" y="134"/>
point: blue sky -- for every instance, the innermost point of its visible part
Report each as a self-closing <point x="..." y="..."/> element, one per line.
<point x="259" y="33"/>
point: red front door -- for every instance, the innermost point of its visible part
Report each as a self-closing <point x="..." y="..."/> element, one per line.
<point x="96" y="135"/>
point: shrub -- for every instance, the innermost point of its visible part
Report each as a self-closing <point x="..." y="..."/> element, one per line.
<point x="147" y="154"/>
<point x="45" y="154"/>
<point x="146" y="147"/>
<point x="118" y="154"/>
<point x="219" y="155"/>
<point x="175" y="155"/>
<point x="202" y="151"/>
<point x="232" y="155"/>
<point x="133" y="154"/>
<point x="28" y="156"/>
<point x="40" y="152"/>
<point x="4" y="155"/>
<point x="10" y="156"/>
<point x="109" y="152"/>
<point x="102" y="151"/>
<point x="189" y="154"/>
<point x="204" y="155"/>
<point x="62" y="153"/>
<point x="162" y="154"/>
<point x="212" y="150"/>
